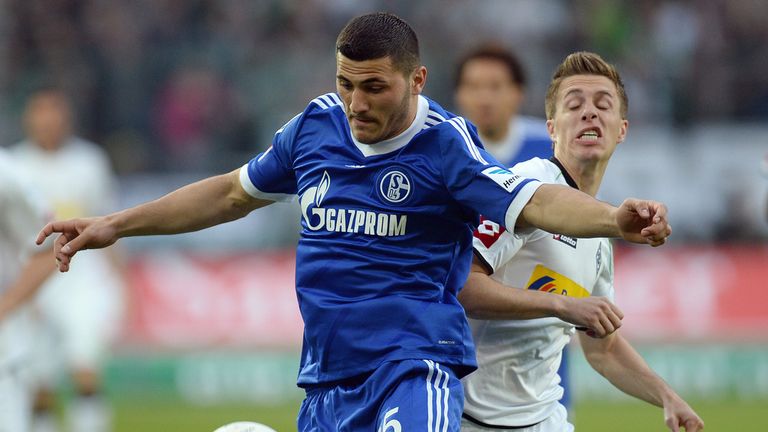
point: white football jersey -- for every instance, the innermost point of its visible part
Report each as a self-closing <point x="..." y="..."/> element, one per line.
<point x="77" y="181"/>
<point x="517" y="382"/>
<point x="85" y="304"/>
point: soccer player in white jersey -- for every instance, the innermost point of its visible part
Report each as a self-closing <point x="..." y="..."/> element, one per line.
<point x="23" y="269"/>
<point x="390" y="186"/>
<point x="518" y="275"/>
<point x="489" y="92"/>
<point x="79" y="312"/>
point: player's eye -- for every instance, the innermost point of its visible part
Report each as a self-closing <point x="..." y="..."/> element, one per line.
<point x="375" y="88"/>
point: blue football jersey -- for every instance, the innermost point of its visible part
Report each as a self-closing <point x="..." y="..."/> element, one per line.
<point x="386" y="229"/>
<point x="527" y="138"/>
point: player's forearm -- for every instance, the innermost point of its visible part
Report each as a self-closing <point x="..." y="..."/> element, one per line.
<point x="199" y="205"/>
<point x="619" y="363"/>
<point x="35" y="271"/>
<point x="564" y="210"/>
<point x="485" y="298"/>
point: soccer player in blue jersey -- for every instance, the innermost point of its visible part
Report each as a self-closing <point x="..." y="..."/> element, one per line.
<point x="489" y="92"/>
<point x="390" y="187"/>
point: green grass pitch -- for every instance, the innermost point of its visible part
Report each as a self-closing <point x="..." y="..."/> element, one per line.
<point x="149" y="415"/>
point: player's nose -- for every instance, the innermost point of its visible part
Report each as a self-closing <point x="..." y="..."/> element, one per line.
<point x="589" y="112"/>
<point x="358" y="102"/>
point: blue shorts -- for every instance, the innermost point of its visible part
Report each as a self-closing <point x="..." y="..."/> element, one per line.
<point x="399" y="396"/>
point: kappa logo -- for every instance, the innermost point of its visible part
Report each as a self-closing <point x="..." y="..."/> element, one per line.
<point x="395" y="186"/>
<point x="317" y="217"/>
<point x="570" y="241"/>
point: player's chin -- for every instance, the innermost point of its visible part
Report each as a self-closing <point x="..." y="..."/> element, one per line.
<point x="366" y="137"/>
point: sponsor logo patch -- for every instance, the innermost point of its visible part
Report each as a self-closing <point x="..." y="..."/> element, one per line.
<point x="548" y="280"/>
<point x="318" y="217"/>
<point x="570" y="241"/>
<point x="395" y="186"/>
<point x="503" y="177"/>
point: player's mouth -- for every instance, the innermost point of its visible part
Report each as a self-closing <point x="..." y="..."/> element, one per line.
<point x="362" y="121"/>
<point x="590" y="134"/>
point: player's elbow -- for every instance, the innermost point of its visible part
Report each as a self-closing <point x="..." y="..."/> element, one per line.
<point x="466" y="302"/>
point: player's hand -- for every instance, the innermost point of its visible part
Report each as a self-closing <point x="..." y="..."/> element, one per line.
<point x="642" y="221"/>
<point x="76" y="235"/>
<point x="679" y="414"/>
<point x="595" y="315"/>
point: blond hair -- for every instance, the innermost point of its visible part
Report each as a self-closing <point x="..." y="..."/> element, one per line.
<point x="584" y="63"/>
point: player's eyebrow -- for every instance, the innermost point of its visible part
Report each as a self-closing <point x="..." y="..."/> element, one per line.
<point x="579" y="92"/>
<point x="372" y="80"/>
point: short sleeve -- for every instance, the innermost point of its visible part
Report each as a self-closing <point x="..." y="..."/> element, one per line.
<point x="270" y="174"/>
<point x="494" y="245"/>
<point x="478" y="181"/>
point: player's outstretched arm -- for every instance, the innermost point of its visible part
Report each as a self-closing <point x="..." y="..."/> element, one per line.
<point x="199" y="205"/>
<point x="564" y="210"/>
<point x="615" y="359"/>
<point x="486" y="298"/>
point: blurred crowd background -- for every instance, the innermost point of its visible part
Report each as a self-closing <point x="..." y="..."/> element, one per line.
<point x="196" y="86"/>
<point x="176" y="90"/>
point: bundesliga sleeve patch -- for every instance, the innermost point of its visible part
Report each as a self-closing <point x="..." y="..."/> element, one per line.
<point x="503" y="177"/>
<point x="488" y="232"/>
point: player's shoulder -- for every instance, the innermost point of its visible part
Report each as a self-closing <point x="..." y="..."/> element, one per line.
<point x="532" y="127"/>
<point x="448" y="129"/>
<point x="329" y="102"/>
<point x="13" y="183"/>
<point x="321" y="106"/>
<point x="86" y="147"/>
<point x="86" y="153"/>
<point x="542" y="169"/>
<point x="440" y="120"/>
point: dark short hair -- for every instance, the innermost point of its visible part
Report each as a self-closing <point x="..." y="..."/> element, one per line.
<point x="496" y="52"/>
<point x="379" y="35"/>
<point x="584" y="63"/>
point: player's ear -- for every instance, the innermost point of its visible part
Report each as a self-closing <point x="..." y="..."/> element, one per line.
<point x="418" y="80"/>
<point x="551" y="132"/>
<point x="623" y="131"/>
<point x="551" y="129"/>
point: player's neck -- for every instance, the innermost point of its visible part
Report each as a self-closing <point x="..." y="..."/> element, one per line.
<point x="495" y="136"/>
<point x="588" y="175"/>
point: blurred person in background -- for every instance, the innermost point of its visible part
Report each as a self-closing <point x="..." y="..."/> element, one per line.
<point x="23" y="269"/>
<point x="489" y="91"/>
<point x="516" y="386"/>
<point x="79" y="313"/>
<point x="385" y="177"/>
